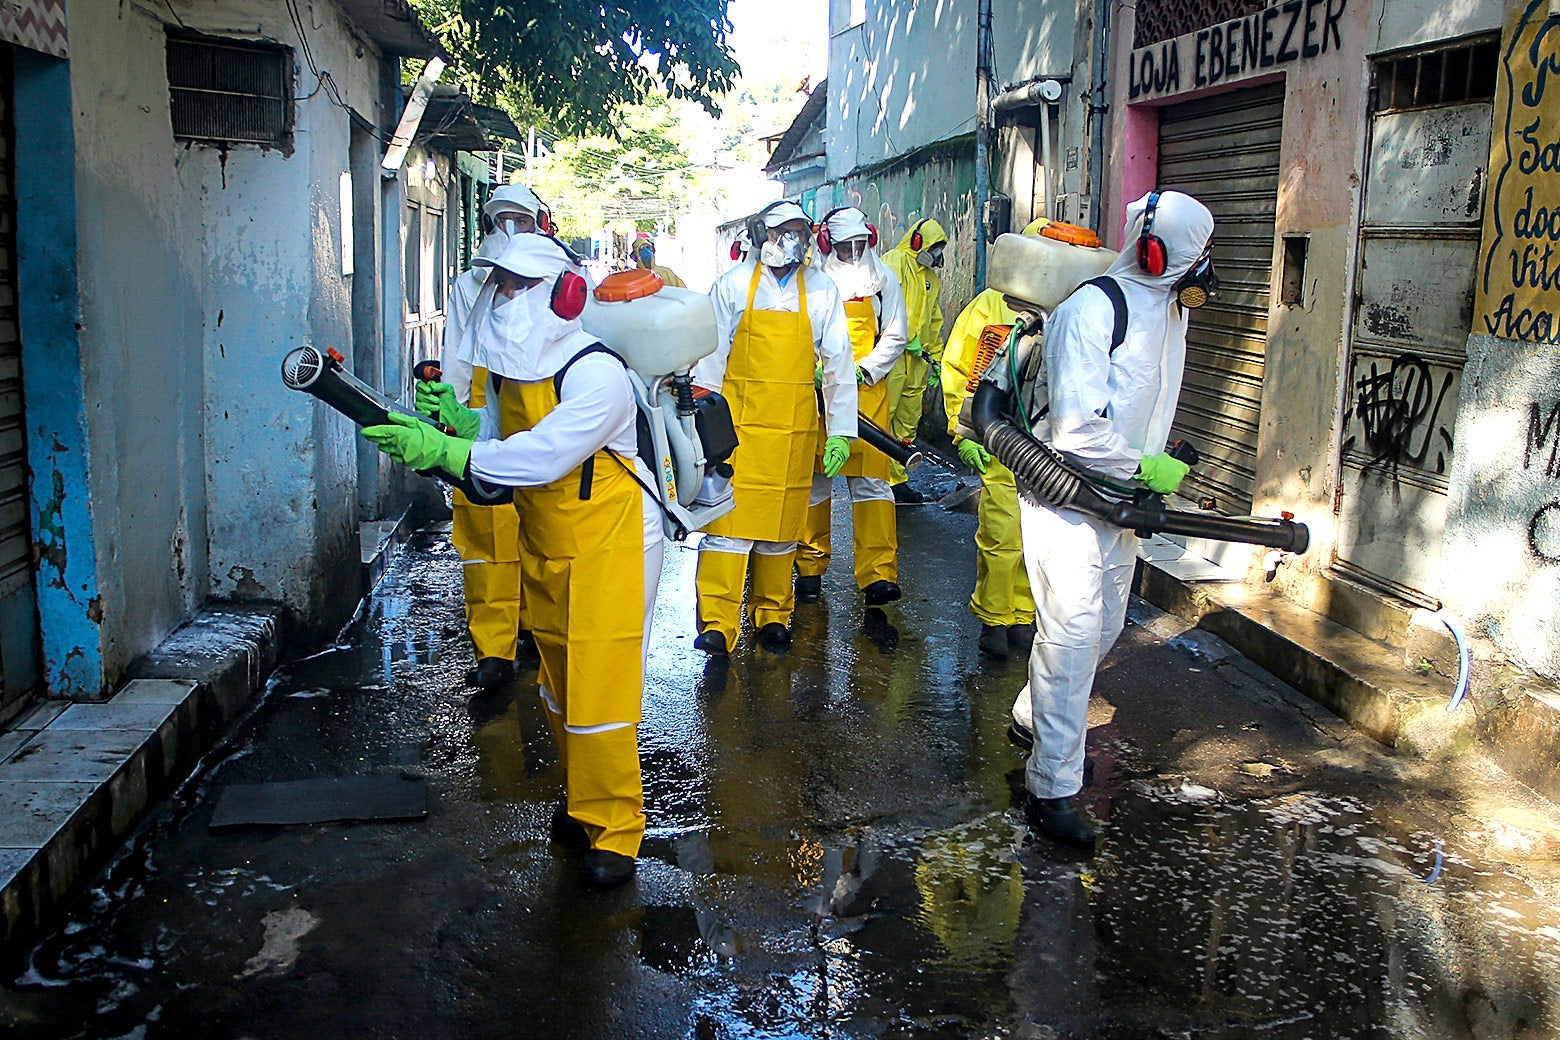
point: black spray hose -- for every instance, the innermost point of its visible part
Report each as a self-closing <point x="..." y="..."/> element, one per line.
<point x="1042" y="472"/>
<point x="874" y="436"/>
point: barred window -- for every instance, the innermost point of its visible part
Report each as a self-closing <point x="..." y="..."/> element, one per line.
<point x="1445" y="76"/>
<point x="229" y="91"/>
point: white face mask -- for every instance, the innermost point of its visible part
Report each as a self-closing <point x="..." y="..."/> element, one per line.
<point x="789" y="250"/>
<point x="511" y="318"/>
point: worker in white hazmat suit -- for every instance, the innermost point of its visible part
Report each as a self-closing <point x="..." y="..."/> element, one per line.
<point x="486" y="537"/>
<point x="1110" y="412"/>
<point x="559" y="426"/>
<point x="875" y="314"/>
<point x="781" y="331"/>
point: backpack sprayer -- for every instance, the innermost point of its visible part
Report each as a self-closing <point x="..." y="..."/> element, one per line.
<point x="1034" y="280"/>
<point x="324" y="376"/>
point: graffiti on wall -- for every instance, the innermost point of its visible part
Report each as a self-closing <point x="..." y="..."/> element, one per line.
<point x="1543" y="431"/>
<point x="1519" y="281"/>
<point x="1398" y="410"/>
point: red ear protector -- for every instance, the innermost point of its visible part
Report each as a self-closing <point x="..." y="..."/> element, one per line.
<point x="736" y="248"/>
<point x="821" y="232"/>
<point x="568" y="295"/>
<point x="544" y="222"/>
<point x="916" y="241"/>
<point x="1152" y="257"/>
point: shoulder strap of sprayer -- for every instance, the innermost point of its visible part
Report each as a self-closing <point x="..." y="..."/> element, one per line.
<point x="642" y="435"/>
<point x="1118" y="302"/>
<point x="1118" y="335"/>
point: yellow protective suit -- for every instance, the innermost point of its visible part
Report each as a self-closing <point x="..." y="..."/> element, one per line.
<point x="488" y="540"/>
<point x="1002" y="595"/>
<point x="668" y="276"/>
<point x="583" y="572"/>
<point x="873" y="527"/>
<point x="769" y="386"/>
<point x="922" y="286"/>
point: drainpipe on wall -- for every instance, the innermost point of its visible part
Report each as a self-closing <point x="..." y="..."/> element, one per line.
<point x="1097" y="108"/>
<point x="982" y="135"/>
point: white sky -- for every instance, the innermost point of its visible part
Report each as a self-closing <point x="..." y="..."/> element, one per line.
<point x="781" y="35"/>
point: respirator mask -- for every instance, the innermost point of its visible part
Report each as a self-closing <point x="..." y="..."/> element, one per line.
<point x="1199" y="284"/>
<point x="790" y="248"/>
<point x="932" y="257"/>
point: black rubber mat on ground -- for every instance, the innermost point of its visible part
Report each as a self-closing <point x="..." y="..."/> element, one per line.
<point x="325" y="800"/>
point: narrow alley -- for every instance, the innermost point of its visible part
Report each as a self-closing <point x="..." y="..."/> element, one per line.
<point x="835" y="850"/>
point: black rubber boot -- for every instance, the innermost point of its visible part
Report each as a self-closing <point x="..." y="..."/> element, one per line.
<point x="491" y="673"/>
<point x="906" y="495"/>
<point x="993" y="640"/>
<point x="603" y="869"/>
<point x="774" y="637"/>
<point x="1021" y="636"/>
<point x="568" y="832"/>
<point x="1019" y="735"/>
<point x="880" y="592"/>
<point x="712" y="642"/>
<point x="809" y="587"/>
<point x="1060" y="821"/>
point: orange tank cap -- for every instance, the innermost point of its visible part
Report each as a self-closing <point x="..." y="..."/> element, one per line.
<point x="1072" y="234"/>
<point x="629" y="285"/>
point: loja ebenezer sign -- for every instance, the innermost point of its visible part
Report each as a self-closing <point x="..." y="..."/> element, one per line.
<point x="1241" y="48"/>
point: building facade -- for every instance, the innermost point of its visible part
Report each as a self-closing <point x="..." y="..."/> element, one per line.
<point x="196" y="190"/>
<point x="1378" y="357"/>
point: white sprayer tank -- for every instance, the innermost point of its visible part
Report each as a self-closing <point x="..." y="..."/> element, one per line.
<point x="657" y="329"/>
<point x="1044" y="269"/>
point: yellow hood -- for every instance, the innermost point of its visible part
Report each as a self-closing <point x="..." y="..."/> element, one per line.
<point x="932" y="233"/>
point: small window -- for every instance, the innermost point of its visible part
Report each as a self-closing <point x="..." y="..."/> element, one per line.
<point x="229" y="91"/>
<point x="1448" y="76"/>
<point x="411" y="259"/>
<point x="436" y="260"/>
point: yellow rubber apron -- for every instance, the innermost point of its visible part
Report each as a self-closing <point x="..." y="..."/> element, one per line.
<point x="488" y="538"/>
<point x="769" y="385"/>
<point x="583" y="569"/>
<point x="871" y="401"/>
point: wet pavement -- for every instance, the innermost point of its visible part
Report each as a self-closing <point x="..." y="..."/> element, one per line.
<point x="835" y="850"/>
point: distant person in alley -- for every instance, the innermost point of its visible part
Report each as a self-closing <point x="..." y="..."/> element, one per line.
<point x="780" y="327"/>
<point x="644" y="259"/>
<point x="917" y="262"/>
<point x="875" y="315"/>
<point x="486" y="537"/>
<point x="559" y="427"/>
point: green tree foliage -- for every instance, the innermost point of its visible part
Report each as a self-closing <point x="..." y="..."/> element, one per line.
<point x="569" y="65"/>
<point x="639" y="180"/>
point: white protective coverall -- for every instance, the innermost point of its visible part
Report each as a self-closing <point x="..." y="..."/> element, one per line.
<point x="866" y="280"/>
<point x="1108" y="410"/>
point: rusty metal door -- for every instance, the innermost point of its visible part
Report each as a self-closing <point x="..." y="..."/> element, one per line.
<point x="1423" y="205"/>
<point x="18" y="601"/>
<point x="1224" y="150"/>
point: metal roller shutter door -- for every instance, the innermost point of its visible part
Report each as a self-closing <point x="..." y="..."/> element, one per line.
<point x="1224" y="151"/>
<point x="18" y="605"/>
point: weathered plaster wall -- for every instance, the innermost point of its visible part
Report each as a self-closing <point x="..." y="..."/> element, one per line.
<point x="199" y="268"/>
<point x="143" y="364"/>
<point x="1501" y="553"/>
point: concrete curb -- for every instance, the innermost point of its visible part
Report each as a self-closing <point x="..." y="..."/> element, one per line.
<point x="1359" y="679"/>
<point x="75" y="779"/>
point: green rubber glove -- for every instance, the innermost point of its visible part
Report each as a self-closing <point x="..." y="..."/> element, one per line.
<point x="419" y="445"/>
<point x="914" y="347"/>
<point x="1162" y="473"/>
<point x="835" y="451"/>
<point x="818" y="376"/>
<point x="861" y="375"/>
<point x="934" y="375"/>
<point x="974" y="456"/>
<point x="437" y="401"/>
